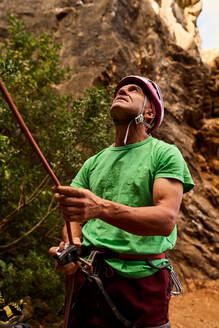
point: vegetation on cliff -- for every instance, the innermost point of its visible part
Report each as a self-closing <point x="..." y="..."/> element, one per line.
<point x="30" y="224"/>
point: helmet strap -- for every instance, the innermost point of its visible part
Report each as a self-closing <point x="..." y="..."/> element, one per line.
<point x="127" y="132"/>
<point x="138" y="120"/>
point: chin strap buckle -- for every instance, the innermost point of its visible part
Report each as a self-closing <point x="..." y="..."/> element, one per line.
<point x="139" y="119"/>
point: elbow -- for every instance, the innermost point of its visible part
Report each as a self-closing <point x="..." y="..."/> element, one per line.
<point x="170" y="223"/>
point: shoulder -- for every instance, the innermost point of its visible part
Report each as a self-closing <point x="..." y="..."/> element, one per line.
<point x="81" y="180"/>
<point x="169" y="163"/>
<point x="160" y="144"/>
<point x="95" y="158"/>
<point x="162" y="148"/>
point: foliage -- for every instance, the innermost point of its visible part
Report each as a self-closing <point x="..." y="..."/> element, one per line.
<point x="67" y="132"/>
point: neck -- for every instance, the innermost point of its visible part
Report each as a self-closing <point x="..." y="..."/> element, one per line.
<point x="136" y="134"/>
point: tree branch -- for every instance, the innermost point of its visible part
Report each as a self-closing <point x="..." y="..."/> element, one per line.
<point x="33" y="196"/>
<point x="49" y="211"/>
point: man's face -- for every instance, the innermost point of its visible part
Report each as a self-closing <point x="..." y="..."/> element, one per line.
<point x="127" y="102"/>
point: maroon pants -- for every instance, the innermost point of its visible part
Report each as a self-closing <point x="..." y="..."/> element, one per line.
<point x="143" y="301"/>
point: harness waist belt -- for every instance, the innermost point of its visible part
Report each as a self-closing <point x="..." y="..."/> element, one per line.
<point x="110" y="254"/>
<point x="141" y="256"/>
<point x="166" y="325"/>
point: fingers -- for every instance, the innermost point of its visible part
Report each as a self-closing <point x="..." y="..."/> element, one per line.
<point x="68" y="269"/>
<point x="77" y="204"/>
<point x="72" y="214"/>
<point x="52" y="251"/>
<point x="68" y="191"/>
<point x="70" y="206"/>
<point x="73" y="218"/>
<point x="70" y="211"/>
<point x="61" y="246"/>
<point x="69" y="201"/>
<point x="71" y="267"/>
<point x="77" y="241"/>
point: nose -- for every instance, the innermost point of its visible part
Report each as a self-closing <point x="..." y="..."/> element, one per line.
<point x="122" y="91"/>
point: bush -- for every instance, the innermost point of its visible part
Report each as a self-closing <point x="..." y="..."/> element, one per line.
<point x="67" y="132"/>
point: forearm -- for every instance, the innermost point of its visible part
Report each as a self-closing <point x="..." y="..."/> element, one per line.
<point x="76" y="231"/>
<point x="145" y="221"/>
<point x="80" y="205"/>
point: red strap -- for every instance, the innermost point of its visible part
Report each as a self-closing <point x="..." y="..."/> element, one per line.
<point x="123" y="256"/>
<point x="141" y="256"/>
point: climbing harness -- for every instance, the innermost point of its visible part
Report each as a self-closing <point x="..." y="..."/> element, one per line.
<point x="91" y="267"/>
<point x="91" y="272"/>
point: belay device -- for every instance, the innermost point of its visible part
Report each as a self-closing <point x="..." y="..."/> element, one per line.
<point x="69" y="254"/>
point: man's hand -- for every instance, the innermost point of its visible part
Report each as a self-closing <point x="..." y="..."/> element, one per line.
<point x="69" y="268"/>
<point x="77" y="204"/>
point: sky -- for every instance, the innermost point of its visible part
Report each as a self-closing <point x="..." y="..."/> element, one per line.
<point x="208" y="24"/>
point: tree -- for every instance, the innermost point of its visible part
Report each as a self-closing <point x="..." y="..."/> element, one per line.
<point x="67" y="132"/>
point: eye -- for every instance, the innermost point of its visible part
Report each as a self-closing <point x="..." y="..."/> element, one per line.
<point x="133" y="88"/>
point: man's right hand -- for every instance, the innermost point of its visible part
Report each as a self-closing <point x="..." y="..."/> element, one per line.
<point x="69" y="268"/>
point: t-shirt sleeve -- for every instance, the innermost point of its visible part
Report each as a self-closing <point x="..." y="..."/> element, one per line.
<point x="81" y="180"/>
<point x="171" y="164"/>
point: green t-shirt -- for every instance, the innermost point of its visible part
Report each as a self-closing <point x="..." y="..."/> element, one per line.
<point x="126" y="175"/>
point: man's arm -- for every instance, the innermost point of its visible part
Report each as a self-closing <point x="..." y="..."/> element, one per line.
<point x="157" y="220"/>
<point x="81" y="205"/>
<point x="75" y="231"/>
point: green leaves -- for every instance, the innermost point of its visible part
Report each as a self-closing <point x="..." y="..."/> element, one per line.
<point x="6" y="272"/>
<point x="67" y="132"/>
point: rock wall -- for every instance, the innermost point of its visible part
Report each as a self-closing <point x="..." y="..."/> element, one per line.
<point x="103" y="40"/>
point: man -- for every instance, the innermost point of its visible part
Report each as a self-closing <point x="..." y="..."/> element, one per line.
<point x="127" y="198"/>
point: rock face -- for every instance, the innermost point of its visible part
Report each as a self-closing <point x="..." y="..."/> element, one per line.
<point x="103" y="40"/>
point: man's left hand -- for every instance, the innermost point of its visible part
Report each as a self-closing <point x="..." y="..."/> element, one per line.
<point x="77" y="204"/>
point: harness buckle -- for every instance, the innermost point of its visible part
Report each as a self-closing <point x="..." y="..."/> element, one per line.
<point x="87" y="265"/>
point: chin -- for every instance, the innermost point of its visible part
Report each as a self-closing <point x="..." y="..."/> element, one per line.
<point x="119" y="111"/>
<point x="118" y="115"/>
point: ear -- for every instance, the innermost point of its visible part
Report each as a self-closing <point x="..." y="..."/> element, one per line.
<point x="148" y="115"/>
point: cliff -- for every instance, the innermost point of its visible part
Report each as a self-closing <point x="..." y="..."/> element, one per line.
<point x="103" y="40"/>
